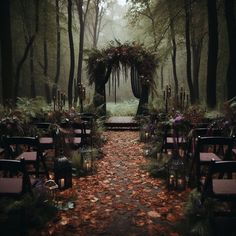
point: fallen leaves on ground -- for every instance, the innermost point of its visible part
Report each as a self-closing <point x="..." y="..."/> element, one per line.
<point x="121" y="198"/>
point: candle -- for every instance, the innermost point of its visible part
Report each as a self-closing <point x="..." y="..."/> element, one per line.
<point x="180" y="182"/>
<point x="62" y="183"/>
<point x="83" y="93"/>
<point x="171" y="181"/>
<point x="87" y="166"/>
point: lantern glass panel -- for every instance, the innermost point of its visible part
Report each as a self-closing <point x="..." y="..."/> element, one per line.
<point x="176" y="174"/>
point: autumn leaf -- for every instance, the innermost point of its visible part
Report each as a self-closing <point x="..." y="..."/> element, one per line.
<point x="154" y="214"/>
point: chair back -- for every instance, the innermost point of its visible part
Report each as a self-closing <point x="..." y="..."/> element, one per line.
<point x="224" y="187"/>
<point x="217" y="144"/>
<point x="14" y="178"/>
<point x="204" y="132"/>
<point x="15" y="145"/>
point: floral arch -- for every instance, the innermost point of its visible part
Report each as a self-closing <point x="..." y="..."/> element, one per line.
<point x="105" y="65"/>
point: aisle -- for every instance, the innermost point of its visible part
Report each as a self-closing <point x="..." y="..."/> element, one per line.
<point x="121" y="198"/>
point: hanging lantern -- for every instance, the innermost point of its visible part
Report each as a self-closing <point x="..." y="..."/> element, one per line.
<point x="63" y="172"/>
<point x="176" y="179"/>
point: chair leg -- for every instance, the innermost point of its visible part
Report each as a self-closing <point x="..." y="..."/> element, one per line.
<point x="45" y="166"/>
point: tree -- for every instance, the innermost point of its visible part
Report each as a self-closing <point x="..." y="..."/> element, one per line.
<point x="198" y="32"/>
<point x="95" y="16"/>
<point x="58" y="48"/>
<point x="45" y="53"/>
<point x="30" y="41"/>
<point x="174" y="48"/>
<point x="212" y="53"/>
<point x="231" y="27"/>
<point x="6" y="51"/>
<point x="143" y="9"/>
<point x="82" y="11"/>
<point x="72" y="54"/>
<point x="187" y="7"/>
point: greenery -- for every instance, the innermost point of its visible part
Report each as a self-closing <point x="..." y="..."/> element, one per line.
<point x="198" y="216"/>
<point x="157" y="167"/>
<point x="29" y="212"/>
<point x="126" y="108"/>
<point x="128" y="54"/>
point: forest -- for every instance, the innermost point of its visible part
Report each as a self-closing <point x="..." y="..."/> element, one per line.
<point x="45" y="45"/>
<point x="118" y="117"/>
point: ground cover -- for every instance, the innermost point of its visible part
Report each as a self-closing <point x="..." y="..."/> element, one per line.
<point x="120" y="198"/>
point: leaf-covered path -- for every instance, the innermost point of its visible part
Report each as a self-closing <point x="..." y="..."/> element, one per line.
<point x="121" y="198"/>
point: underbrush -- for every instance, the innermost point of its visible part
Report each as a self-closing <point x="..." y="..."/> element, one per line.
<point x="125" y="108"/>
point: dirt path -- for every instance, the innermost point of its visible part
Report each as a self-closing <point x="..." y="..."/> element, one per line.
<point x="121" y="198"/>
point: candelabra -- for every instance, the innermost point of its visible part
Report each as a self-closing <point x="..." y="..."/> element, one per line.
<point x="59" y="101"/>
<point x="82" y="95"/>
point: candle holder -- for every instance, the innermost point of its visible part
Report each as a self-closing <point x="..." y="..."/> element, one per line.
<point x="88" y="160"/>
<point x="63" y="172"/>
<point x="82" y="95"/>
<point x="176" y="179"/>
<point x="59" y="101"/>
<point x="51" y="189"/>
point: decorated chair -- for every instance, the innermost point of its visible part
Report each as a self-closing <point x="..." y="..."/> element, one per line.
<point x="208" y="149"/>
<point x="14" y="178"/>
<point x="175" y="138"/>
<point x="28" y="148"/>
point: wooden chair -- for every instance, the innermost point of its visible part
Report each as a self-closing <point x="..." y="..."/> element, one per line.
<point x="84" y="131"/>
<point x="68" y="135"/>
<point x="219" y="182"/>
<point x="203" y="132"/>
<point x="29" y="149"/>
<point x="208" y="149"/>
<point x="14" y="178"/>
<point x="175" y="139"/>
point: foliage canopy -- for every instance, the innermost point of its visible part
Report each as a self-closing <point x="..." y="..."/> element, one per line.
<point x="126" y="55"/>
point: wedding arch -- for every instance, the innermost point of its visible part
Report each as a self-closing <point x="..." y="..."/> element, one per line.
<point x="104" y="67"/>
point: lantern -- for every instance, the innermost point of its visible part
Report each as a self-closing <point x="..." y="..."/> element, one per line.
<point x="88" y="160"/>
<point x="176" y="179"/>
<point x="144" y="134"/>
<point x="63" y="172"/>
<point x="51" y="188"/>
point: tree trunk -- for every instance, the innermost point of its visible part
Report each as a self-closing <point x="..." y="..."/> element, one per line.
<point x="72" y="54"/>
<point x="231" y="26"/>
<point x="82" y="19"/>
<point x="45" y="71"/>
<point x="173" y="58"/>
<point x="81" y="48"/>
<point x="196" y="51"/>
<point x="174" y="50"/>
<point x="6" y="52"/>
<point x="26" y="52"/>
<point x="212" y="53"/>
<point x="95" y="28"/>
<point x="162" y="76"/>
<point x="32" y="77"/>
<point x="58" y="55"/>
<point x="188" y="51"/>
